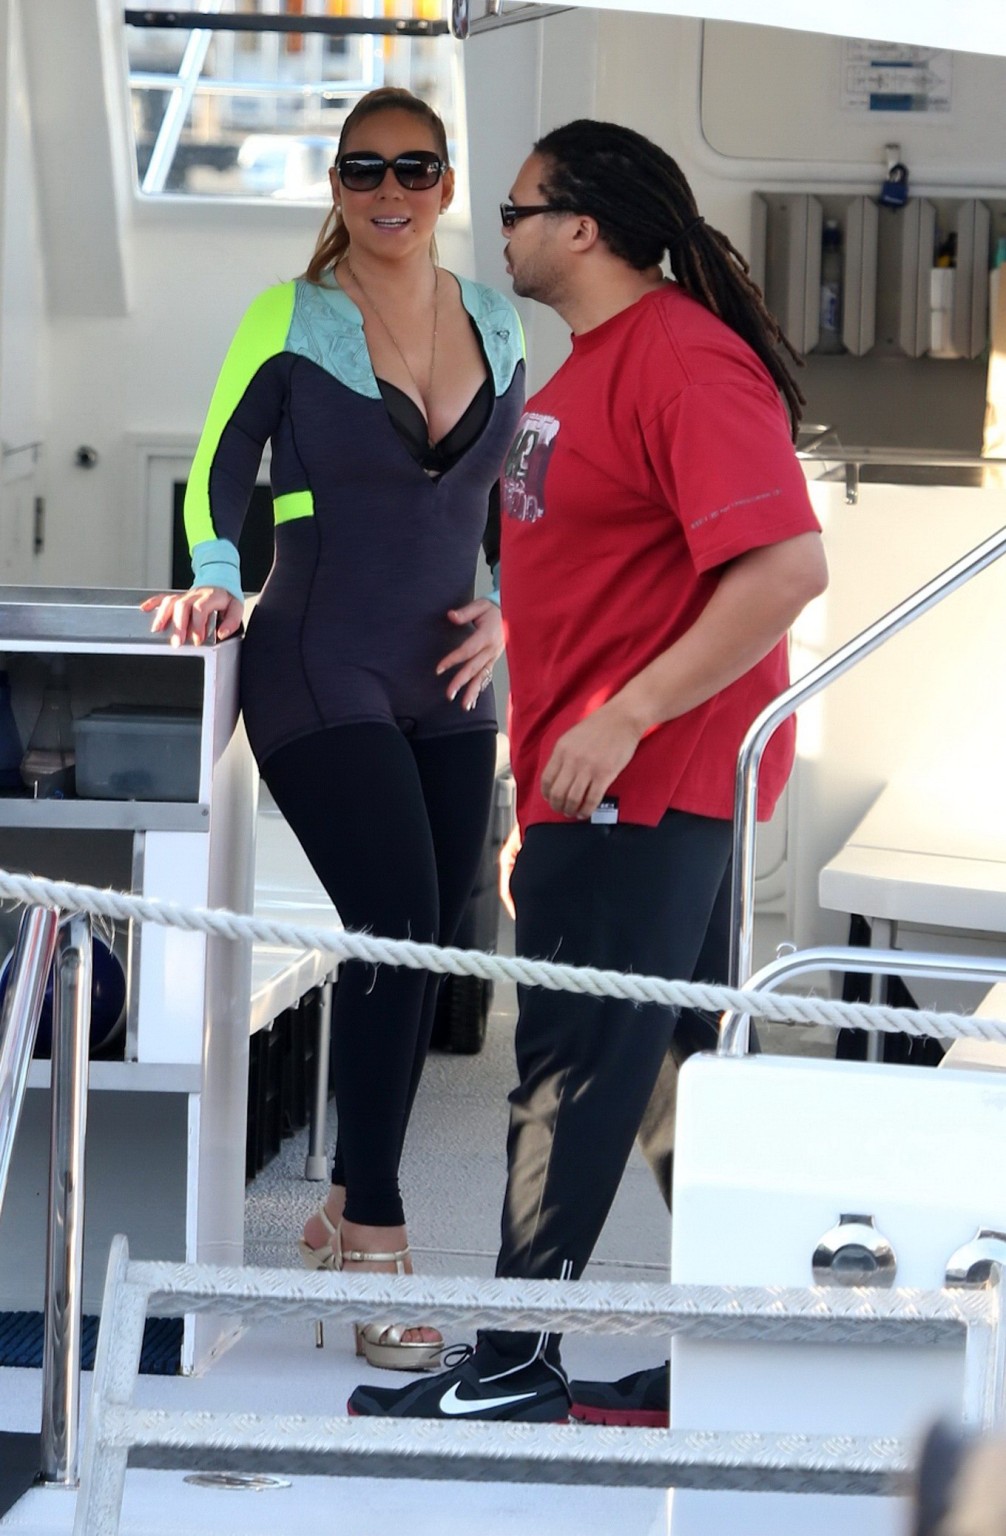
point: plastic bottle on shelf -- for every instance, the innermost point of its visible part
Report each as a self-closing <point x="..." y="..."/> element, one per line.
<point x="47" y="768"/>
<point x="946" y="255"/>
<point x="996" y="336"/>
<point x="10" y="742"/>
<point x="994" y="426"/>
<point x="830" y="325"/>
<point x="942" y="288"/>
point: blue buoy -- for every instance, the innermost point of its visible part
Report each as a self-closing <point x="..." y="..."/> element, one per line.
<point x="108" y="1001"/>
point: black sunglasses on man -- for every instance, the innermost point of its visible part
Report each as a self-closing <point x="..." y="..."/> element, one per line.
<point x="511" y="212"/>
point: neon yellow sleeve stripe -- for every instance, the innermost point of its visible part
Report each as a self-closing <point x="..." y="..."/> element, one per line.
<point x="261" y="334"/>
<point x="293" y="505"/>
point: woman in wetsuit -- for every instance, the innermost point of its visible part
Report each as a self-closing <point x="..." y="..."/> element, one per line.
<point x="389" y="389"/>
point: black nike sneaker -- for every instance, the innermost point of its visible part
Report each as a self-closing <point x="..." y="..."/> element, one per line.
<point x="482" y="1385"/>
<point x="642" y="1399"/>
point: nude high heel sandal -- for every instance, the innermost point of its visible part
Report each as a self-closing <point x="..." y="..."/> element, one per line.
<point x="329" y="1255"/>
<point x="382" y="1344"/>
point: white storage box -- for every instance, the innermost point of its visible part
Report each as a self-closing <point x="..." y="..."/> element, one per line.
<point x="133" y="752"/>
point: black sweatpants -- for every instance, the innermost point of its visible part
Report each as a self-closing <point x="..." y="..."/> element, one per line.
<point x="624" y="897"/>
<point x="394" y="829"/>
<point x="694" y="1031"/>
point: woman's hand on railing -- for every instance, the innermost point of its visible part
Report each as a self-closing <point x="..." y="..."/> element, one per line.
<point x="190" y="615"/>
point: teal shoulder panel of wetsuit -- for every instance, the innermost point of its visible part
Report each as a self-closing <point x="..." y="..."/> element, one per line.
<point x="245" y="405"/>
<point x="500" y="328"/>
<point x="327" y="328"/>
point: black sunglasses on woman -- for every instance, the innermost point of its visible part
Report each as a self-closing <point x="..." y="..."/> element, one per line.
<point x="415" y="169"/>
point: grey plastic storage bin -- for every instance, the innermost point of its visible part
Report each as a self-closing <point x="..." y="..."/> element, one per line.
<point x="133" y="752"/>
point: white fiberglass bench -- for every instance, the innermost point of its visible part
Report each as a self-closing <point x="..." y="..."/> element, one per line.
<point x="925" y="853"/>
<point x="931" y="854"/>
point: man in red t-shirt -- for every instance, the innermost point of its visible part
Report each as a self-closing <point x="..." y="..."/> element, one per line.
<point x="657" y="544"/>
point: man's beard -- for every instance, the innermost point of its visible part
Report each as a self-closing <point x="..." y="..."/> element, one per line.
<point x="538" y="284"/>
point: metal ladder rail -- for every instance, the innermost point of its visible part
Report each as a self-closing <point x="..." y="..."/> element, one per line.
<point x="41" y="939"/>
<point x="118" y="1431"/>
<point x="814" y="682"/>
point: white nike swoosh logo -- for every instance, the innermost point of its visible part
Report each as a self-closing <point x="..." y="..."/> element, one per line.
<point x="450" y="1403"/>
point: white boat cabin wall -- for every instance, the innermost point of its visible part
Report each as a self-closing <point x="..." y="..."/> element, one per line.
<point x="115" y="311"/>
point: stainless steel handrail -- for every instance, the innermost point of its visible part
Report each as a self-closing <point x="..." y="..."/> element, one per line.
<point x="814" y="451"/>
<point x="22" y="1008"/>
<point x="65" y="1238"/>
<point x="848" y="462"/>
<point x="40" y="939"/>
<point x="761" y="731"/>
<point x="736" y="1027"/>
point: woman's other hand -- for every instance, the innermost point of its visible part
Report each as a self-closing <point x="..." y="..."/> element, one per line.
<point x="476" y="656"/>
<point x="188" y="614"/>
<point x="507" y="860"/>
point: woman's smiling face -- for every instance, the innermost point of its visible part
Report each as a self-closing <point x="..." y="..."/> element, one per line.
<point x="391" y="220"/>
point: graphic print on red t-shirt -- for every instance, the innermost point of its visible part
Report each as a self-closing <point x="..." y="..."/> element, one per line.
<point x="525" y="468"/>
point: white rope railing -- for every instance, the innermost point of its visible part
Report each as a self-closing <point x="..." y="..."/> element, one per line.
<point x="345" y="944"/>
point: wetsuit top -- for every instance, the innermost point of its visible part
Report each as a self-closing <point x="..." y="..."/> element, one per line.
<point x="371" y="549"/>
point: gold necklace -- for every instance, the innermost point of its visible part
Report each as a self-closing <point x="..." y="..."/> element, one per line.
<point x="423" y="393"/>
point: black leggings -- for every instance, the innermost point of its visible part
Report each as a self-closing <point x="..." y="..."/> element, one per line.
<point x="394" y="829"/>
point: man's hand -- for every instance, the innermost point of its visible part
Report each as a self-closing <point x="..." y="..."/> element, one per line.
<point x="507" y="860"/>
<point x="587" y="759"/>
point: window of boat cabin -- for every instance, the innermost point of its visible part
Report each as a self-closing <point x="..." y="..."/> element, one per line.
<point x="236" y="110"/>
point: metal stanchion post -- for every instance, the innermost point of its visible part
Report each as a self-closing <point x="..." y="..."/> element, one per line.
<point x="19" y="1017"/>
<point x="316" y="1162"/>
<point x="64" y="1251"/>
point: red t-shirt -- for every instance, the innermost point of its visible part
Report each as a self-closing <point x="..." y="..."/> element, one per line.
<point x="658" y="451"/>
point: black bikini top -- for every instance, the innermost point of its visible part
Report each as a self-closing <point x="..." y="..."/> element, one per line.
<point x="410" y="424"/>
